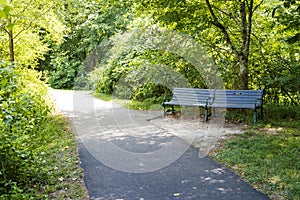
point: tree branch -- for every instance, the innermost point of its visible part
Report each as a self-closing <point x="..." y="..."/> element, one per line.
<point x="21" y="11"/>
<point x="244" y="30"/>
<point x="257" y="6"/>
<point x="250" y="15"/>
<point x="223" y="29"/>
<point x="3" y="28"/>
<point x="31" y="22"/>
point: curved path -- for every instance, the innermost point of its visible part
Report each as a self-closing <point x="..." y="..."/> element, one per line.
<point x="136" y="155"/>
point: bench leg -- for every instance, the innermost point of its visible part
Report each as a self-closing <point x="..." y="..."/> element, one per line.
<point x="173" y="110"/>
<point x="206" y="115"/>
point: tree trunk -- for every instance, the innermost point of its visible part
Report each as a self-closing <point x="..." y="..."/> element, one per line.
<point x="11" y="46"/>
<point x="244" y="54"/>
<point x="11" y="41"/>
<point x="246" y="11"/>
<point x="243" y="72"/>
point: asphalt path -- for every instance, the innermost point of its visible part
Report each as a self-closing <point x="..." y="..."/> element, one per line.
<point x="126" y="155"/>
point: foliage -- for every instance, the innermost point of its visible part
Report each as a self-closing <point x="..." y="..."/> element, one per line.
<point x="26" y="27"/>
<point x="59" y="37"/>
<point x="268" y="47"/>
<point x="283" y="116"/>
<point x="288" y="14"/>
<point x="90" y="23"/>
<point x="224" y="25"/>
<point x="23" y="107"/>
<point x="71" y="31"/>
<point x="37" y="151"/>
<point x="63" y="72"/>
<point x="270" y="61"/>
<point x="278" y="68"/>
<point x="148" y="60"/>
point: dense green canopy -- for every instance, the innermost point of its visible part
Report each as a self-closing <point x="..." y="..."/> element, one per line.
<point x="100" y="44"/>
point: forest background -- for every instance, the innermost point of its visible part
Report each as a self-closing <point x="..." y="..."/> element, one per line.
<point x="254" y="44"/>
<point x="104" y="46"/>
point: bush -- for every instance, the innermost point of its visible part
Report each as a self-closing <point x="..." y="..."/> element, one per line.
<point x="279" y="112"/>
<point x="23" y="106"/>
<point x="64" y="73"/>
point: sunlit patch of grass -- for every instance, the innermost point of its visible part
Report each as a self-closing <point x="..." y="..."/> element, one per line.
<point x="146" y="105"/>
<point x="103" y="96"/>
<point x="268" y="160"/>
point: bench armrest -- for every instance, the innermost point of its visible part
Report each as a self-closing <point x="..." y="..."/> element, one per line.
<point x="210" y="100"/>
<point x="259" y="102"/>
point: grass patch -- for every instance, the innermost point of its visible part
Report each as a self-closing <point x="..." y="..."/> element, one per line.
<point x="267" y="155"/>
<point x="148" y="104"/>
<point x="104" y="97"/>
<point x="59" y="161"/>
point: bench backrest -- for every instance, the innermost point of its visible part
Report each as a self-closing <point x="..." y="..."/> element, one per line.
<point x="239" y="97"/>
<point x="192" y="96"/>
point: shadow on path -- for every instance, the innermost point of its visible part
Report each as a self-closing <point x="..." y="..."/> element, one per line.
<point x="127" y="157"/>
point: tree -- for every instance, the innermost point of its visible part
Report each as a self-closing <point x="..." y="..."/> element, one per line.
<point x="89" y="23"/>
<point x="276" y="51"/>
<point x="23" y="22"/>
<point x="232" y="19"/>
<point x="244" y="22"/>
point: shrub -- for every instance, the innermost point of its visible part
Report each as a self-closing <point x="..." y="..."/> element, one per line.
<point x="23" y="106"/>
<point x="279" y="112"/>
<point x="64" y="72"/>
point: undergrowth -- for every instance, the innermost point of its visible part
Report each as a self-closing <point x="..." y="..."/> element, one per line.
<point x="37" y="151"/>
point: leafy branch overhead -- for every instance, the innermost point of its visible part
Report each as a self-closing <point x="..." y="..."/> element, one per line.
<point x="254" y="43"/>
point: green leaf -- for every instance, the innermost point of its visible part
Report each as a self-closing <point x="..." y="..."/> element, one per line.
<point x="6" y="10"/>
<point x="2" y="14"/>
<point x="3" y="1"/>
<point x="10" y="26"/>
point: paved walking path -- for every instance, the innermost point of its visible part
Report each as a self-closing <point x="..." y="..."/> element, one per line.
<point x="135" y="155"/>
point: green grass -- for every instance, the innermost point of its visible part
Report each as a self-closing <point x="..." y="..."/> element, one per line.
<point x="104" y="97"/>
<point x="268" y="155"/>
<point x="60" y="162"/>
<point x="148" y="104"/>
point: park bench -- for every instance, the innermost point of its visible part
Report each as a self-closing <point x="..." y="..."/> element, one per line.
<point x="190" y="97"/>
<point x="239" y="99"/>
<point x="211" y="99"/>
